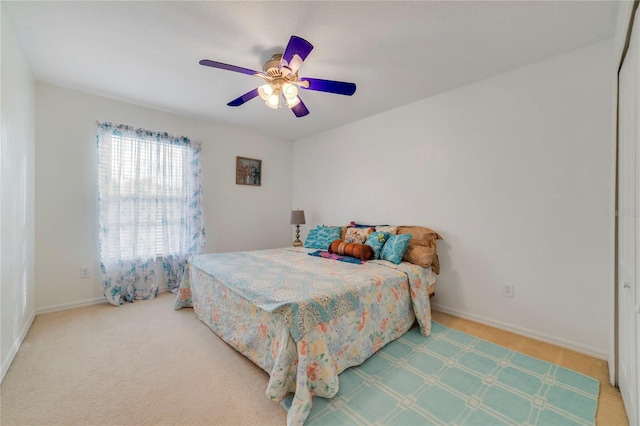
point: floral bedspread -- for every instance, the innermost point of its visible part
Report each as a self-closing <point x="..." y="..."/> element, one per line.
<point x="304" y="319"/>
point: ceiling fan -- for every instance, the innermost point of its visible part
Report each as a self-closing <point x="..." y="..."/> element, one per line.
<point x="281" y="76"/>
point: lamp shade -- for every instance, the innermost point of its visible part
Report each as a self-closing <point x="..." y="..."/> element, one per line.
<point x="265" y="91"/>
<point x="297" y="217"/>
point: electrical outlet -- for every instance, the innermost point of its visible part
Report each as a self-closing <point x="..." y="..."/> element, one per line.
<point x="507" y="290"/>
<point x="85" y="272"/>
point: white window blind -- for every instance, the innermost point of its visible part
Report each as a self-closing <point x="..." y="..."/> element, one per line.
<point x="144" y="185"/>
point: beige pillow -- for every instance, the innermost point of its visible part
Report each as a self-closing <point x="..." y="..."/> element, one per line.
<point x="435" y="264"/>
<point x="357" y="235"/>
<point x="393" y="230"/>
<point x="422" y="248"/>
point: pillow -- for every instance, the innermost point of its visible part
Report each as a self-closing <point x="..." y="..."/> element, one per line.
<point x="435" y="264"/>
<point x="422" y="249"/>
<point x="321" y="237"/>
<point x="393" y="230"/>
<point x="395" y="247"/>
<point x="359" y="251"/>
<point x="312" y="238"/>
<point x="376" y="241"/>
<point x="419" y="233"/>
<point x="359" y="225"/>
<point x="357" y="235"/>
<point x="343" y="230"/>
<point x="327" y="234"/>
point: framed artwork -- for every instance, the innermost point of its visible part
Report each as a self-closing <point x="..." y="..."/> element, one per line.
<point x="248" y="171"/>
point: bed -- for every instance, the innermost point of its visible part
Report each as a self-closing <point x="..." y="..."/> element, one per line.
<point x="305" y="319"/>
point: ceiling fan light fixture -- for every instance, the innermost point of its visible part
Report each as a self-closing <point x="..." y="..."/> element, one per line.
<point x="265" y="91"/>
<point x="274" y="100"/>
<point x="290" y="91"/>
<point x="280" y="74"/>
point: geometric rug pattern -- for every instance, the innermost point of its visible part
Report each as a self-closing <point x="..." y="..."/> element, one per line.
<point x="454" y="378"/>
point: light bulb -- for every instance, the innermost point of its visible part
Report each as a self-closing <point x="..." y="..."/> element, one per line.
<point x="273" y="101"/>
<point x="265" y="91"/>
<point x="289" y="90"/>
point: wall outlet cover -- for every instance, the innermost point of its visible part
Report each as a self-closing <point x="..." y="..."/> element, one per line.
<point x="507" y="290"/>
<point x="85" y="272"/>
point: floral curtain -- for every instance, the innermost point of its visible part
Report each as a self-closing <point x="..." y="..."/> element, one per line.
<point x="150" y="202"/>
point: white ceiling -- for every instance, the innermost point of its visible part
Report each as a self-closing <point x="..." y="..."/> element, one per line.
<point x="396" y="52"/>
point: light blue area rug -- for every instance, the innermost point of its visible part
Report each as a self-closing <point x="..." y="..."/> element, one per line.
<point x="452" y="377"/>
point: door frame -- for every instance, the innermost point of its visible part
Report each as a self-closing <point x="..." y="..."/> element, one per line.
<point x="624" y="25"/>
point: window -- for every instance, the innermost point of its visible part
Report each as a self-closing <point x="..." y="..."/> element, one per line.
<point x="144" y="193"/>
<point x="150" y="203"/>
<point x="147" y="195"/>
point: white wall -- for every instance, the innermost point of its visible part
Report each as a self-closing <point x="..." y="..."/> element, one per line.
<point x="17" y="201"/>
<point x="515" y="173"/>
<point x="237" y="217"/>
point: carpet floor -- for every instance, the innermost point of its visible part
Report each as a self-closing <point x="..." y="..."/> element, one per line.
<point x="145" y="363"/>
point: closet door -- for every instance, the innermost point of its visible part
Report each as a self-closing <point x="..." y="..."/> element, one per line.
<point x="628" y="186"/>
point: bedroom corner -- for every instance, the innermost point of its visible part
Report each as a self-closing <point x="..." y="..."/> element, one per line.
<point x="16" y="211"/>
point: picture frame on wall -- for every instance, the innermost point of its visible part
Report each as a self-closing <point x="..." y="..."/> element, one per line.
<point x="248" y="171"/>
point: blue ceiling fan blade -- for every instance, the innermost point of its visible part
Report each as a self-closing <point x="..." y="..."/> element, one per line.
<point x="294" y="55"/>
<point x="220" y="65"/>
<point x="330" y="86"/>
<point x="300" y="110"/>
<point x="244" y="98"/>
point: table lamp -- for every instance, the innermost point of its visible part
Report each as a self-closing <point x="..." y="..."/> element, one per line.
<point x="297" y="219"/>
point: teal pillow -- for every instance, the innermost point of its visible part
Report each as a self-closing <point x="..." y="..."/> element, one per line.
<point x="322" y="236"/>
<point x="312" y="238"/>
<point x="327" y="235"/>
<point x="376" y="240"/>
<point x="395" y="247"/>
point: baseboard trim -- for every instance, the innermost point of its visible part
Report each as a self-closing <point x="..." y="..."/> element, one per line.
<point x="79" y="304"/>
<point x="568" y="344"/>
<point x="71" y="305"/>
<point x="6" y="363"/>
